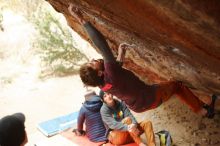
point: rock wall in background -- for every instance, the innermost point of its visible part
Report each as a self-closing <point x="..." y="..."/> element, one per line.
<point x="175" y="39"/>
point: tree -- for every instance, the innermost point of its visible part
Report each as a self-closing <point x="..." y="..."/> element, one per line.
<point x="54" y="42"/>
<point x="56" y="46"/>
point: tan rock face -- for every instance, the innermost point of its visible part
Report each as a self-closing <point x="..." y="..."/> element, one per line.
<point x="175" y="39"/>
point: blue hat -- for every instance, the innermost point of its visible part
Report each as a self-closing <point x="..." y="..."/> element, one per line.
<point x="12" y="130"/>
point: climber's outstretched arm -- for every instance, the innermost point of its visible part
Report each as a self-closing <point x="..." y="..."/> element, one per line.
<point x="96" y="37"/>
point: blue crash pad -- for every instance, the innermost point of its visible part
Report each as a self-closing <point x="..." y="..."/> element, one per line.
<point x="59" y="124"/>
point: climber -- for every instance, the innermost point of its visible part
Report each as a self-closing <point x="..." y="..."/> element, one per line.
<point x="110" y="77"/>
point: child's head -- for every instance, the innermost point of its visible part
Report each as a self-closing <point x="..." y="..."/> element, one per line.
<point x="91" y="73"/>
<point x="106" y="98"/>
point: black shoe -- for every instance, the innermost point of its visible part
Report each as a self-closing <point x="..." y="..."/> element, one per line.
<point x="211" y="108"/>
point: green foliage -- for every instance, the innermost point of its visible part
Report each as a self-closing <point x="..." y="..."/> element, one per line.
<point x="54" y="42"/>
<point x="57" y="48"/>
<point x="6" y="80"/>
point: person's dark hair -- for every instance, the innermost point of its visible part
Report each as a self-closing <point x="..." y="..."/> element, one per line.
<point x="12" y="130"/>
<point x="89" y="76"/>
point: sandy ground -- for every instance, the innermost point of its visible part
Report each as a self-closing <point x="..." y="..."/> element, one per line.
<point x="42" y="100"/>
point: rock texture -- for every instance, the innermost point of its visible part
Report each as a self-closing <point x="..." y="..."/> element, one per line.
<point x="175" y="39"/>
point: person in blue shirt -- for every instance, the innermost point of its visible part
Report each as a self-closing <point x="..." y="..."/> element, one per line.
<point x="90" y="115"/>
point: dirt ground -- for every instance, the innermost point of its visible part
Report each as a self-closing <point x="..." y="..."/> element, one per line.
<point x="41" y="100"/>
<point x="53" y="97"/>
